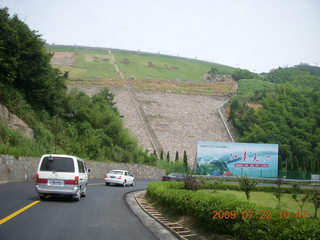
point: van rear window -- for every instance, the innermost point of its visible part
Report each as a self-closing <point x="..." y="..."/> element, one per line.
<point x="57" y="164"/>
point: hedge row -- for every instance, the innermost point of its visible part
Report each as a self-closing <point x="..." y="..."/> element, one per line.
<point x="236" y="187"/>
<point x="201" y="206"/>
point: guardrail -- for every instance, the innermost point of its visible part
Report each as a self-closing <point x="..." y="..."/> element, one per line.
<point x="317" y="182"/>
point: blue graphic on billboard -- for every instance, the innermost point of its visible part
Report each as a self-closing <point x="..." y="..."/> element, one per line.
<point x="237" y="159"/>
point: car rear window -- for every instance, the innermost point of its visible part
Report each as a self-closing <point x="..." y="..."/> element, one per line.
<point x="57" y="164"/>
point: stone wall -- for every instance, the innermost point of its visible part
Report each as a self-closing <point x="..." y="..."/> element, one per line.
<point x="24" y="169"/>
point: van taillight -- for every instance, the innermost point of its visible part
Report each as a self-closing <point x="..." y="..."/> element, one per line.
<point x="40" y="180"/>
<point x="72" y="182"/>
<point x="76" y="180"/>
<point x="120" y="177"/>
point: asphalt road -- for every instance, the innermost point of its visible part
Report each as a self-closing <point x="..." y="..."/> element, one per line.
<point x="102" y="214"/>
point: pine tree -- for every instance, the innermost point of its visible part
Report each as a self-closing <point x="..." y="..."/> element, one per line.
<point x="168" y="156"/>
<point x="185" y="160"/>
<point x="177" y="156"/>
<point x="161" y="155"/>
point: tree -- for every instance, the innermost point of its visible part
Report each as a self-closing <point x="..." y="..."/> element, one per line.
<point x="314" y="197"/>
<point x="161" y="154"/>
<point x="247" y="185"/>
<point x="242" y="74"/>
<point x="168" y="156"/>
<point x="300" y="198"/>
<point x="177" y="157"/>
<point x="185" y="160"/>
<point x="278" y="192"/>
<point x="25" y="64"/>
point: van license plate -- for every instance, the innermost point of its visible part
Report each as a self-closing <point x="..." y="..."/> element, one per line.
<point x="56" y="182"/>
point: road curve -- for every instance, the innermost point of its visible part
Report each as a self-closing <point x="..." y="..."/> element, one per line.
<point x="102" y="214"/>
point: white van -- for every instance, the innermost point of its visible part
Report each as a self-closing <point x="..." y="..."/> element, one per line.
<point x="61" y="175"/>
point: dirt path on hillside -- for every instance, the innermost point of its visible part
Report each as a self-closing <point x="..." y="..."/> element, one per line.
<point x="113" y="60"/>
<point x="144" y="121"/>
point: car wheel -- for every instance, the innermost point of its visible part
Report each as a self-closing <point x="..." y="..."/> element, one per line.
<point x="76" y="197"/>
<point x="83" y="193"/>
<point x="124" y="183"/>
<point x="132" y="184"/>
<point x="42" y="196"/>
<point x="107" y="184"/>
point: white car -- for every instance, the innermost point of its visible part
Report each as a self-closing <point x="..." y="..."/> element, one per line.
<point x="119" y="177"/>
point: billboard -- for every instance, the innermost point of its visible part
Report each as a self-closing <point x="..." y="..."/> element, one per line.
<point x="237" y="159"/>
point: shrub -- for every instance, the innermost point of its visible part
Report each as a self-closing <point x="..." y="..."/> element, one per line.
<point x="192" y="183"/>
<point x="247" y="185"/>
<point x="203" y="207"/>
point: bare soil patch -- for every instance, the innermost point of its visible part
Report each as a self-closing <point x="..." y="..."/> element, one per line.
<point x="95" y="57"/>
<point x="126" y="61"/>
<point x="64" y="54"/>
<point x="254" y="105"/>
<point x="63" y="58"/>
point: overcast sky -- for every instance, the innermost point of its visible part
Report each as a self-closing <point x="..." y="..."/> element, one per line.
<point x="254" y="34"/>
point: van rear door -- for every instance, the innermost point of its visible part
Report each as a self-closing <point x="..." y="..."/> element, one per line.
<point x="83" y="176"/>
<point x="57" y="169"/>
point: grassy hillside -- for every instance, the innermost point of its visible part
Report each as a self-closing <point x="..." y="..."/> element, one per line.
<point x="151" y="66"/>
<point x="95" y="63"/>
<point x="89" y="63"/>
<point x="250" y="88"/>
<point x="282" y="108"/>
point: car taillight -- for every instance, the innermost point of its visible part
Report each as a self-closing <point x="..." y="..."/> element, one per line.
<point x="120" y="177"/>
<point x="106" y="176"/>
<point x="40" y="180"/>
<point x="72" y="182"/>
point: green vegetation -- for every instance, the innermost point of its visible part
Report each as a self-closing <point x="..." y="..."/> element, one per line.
<point x="298" y="77"/>
<point x="90" y="63"/>
<point x="144" y="66"/>
<point x="16" y="144"/>
<point x="238" y="74"/>
<point x="228" y="212"/>
<point x="253" y="89"/>
<point x="284" y="109"/>
<point x="87" y="63"/>
<point x="63" y="121"/>
<point x="247" y="185"/>
<point x="171" y="167"/>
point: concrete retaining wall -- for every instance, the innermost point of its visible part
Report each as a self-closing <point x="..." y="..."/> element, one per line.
<point x="24" y="169"/>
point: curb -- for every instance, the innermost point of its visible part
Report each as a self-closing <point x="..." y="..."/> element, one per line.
<point x="178" y="230"/>
<point x="155" y="227"/>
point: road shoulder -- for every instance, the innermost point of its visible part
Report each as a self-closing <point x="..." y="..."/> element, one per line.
<point x="156" y="228"/>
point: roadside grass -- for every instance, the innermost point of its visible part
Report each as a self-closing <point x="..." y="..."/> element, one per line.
<point x="186" y="221"/>
<point x="266" y="200"/>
